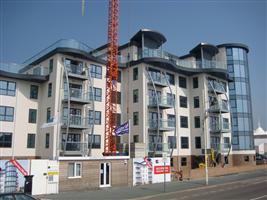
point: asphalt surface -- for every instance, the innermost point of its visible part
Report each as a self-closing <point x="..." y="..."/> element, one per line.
<point x="240" y="186"/>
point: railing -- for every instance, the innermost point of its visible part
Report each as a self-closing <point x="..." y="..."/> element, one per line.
<point x="216" y="127"/>
<point x="220" y="146"/>
<point x="221" y="105"/>
<point x="158" y="78"/>
<point x="75" y="69"/>
<point x="76" y="121"/>
<point x="153" y="124"/>
<point x="161" y="147"/>
<point x="217" y="86"/>
<point x="167" y="101"/>
<point x="78" y="94"/>
<point x="75" y="146"/>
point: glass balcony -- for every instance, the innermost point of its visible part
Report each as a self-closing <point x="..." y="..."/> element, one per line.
<point x="76" y="71"/>
<point x="217" y="127"/>
<point x="165" y="125"/>
<point x="158" y="79"/>
<point x="164" y="101"/>
<point x="221" y="147"/>
<point x="216" y="86"/>
<point x="76" y="121"/>
<point x="161" y="147"/>
<point x="221" y="106"/>
<point x="74" y="148"/>
<point x="77" y="95"/>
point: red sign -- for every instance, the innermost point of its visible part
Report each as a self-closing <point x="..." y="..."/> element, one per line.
<point x="160" y="169"/>
<point x="19" y="167"/>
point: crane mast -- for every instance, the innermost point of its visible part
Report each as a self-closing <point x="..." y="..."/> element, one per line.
<point x="111" y="79"/>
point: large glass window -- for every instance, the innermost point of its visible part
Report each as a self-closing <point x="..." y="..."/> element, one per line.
<point x="171" y="120"/>
<point x="184" y="143"/>
<point x="74" y="170"/>
<point x="182" y="82"/>
<point x="96" y="71"/>
<point x="96" y="141"/>
<point x="32" y="115"/>
<point x="34" y="92"/>
<point x="183" y="122"/>
<point x="6" y="113"/>
<point x="97" y="117"/>
<point x="196" y="102"/>
<point x="7" y="88"/>
<point x="98" y="94"/>
<point x="183" y="102"/>
<point x="135" y="118"/>
<point x="135" y="95"/>
<point x="5" y="140"/>
<point x="31" y="141"/>
<point x="195" y="82"/>
<point x="170" y="78"/>
<point x="197" y="122"/>
<point x="198" y="142"/>
<point x="135" y="74"/>
<point x="171" y="142"/>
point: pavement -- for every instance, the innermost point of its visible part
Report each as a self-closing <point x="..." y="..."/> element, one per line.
<point x="156" y="191"/>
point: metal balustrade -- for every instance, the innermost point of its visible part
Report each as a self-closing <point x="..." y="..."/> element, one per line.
<point x="164" y="101"/>
<point x="164" y="124"/>
<point x="77" y="94"/>
<point x="76" y="121"/>
<point x="220" y="106"/>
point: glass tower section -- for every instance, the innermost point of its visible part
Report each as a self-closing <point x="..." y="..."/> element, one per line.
<point x="240" y="98"/>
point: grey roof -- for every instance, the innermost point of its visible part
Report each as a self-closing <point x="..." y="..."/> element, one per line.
<point x="148" y="33"/>
<point x="25" y="77"/>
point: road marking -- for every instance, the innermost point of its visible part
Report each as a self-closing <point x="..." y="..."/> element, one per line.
<point x="242" y="183"/>
<point x="259" y="197"/>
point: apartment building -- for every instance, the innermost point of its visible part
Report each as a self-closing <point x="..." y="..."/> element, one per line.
<point x="54" y="108"/>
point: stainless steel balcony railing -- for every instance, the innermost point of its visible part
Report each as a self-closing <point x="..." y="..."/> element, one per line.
<point x="166" y="101"/>
<point x="77" y="94"/>
<point x="158" y="79"/>
<point x="216" y="127"/>
<point x="72" y="146"/>
<point x="219" y="106"/>
<point x="76" y="69"/>
<point x="161" y="147"/>
<point x="223" y="147"/>
<point x="217" y="86"/>
<point x="164" y="124"/>
<point x="76" y="121"/>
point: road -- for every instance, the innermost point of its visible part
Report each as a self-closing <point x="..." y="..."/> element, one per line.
<point x="250" y="189"/>
<point x="239" y="186"/>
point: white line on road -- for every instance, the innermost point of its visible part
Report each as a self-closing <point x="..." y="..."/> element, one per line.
<point x="259" y="197"/>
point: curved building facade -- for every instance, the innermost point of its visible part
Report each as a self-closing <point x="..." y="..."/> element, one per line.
<point x="240" y="96"/>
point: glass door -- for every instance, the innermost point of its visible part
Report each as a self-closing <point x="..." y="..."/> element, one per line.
<point x="105" y="175"/>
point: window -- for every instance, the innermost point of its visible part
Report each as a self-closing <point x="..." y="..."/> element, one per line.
<point x="183" y="102"/>
<point x="119" y="76"/>
<point x="74" y="170"/>
<point x="118" y="97"/>
<point x="184" y="143"/>
<point x="135" y="96"/>
<point x="49" y="90"/>
<point x="96" y="141"/>
<point x="97" y="117"/>
<point x="195" y="82"/>
<point x="171" y="120"/>
<point x="51" y="62"/>
<point x="183" y="122"/>
<point x="48" y="115"/>
<point x="47" y="140"/>
<point x="198" y="142"/>
<point x="32" y="115"/>
<point x="171" y="142"/>
<point x="7" y="88"/>
<point x="117" y="117"/>
<point x="136" y="138"/>
<point x="182" y="82"/>
<point x="6" y="113"/>
<point x="197" y="122"/>
<point x="196" y="102"/>
<point x="170" y="78"/>
<point x="96" y="71"/>
<point x="183" y="161"/>
<point x="98" y="94"/>
<point x="246" y="158"/>
<point x="135" y="118"/>
<point x="34" y="92"/>
<point x="226" y="140"/>
<point x="135" y="74"/>
<point x="5" y="140"/>
<point x="31" y="141"/>
<point x="226" y="123"/>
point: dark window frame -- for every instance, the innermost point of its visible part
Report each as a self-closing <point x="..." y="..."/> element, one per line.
<point x="183" y="101"/>
<point x="32" y="116"/>
<point x="135" y="95"/>
<point x="96" y="71"/>
<point x="7" y="91"/>
<point x="195" y="82"/>
<point x="196" y="102"/>
<point x="94" y="144"/>
<point x="51" y="65"/>
<point x="31" y="140"/>
<point x="34" y="89"/>
<point x="47" y="140"/>
<point x="135" y="73"/>
<point x="97" y="117"/>
<point x="198" y="142"/>
<point x="183" y="124"/>
<point x="6" y="139"/>
<point x="49" y="90"/>
<point x="183" y="161"/>
<point x="135" y="118"/>
<point x="7" y="117"/>
<point x="182" y="82"/>
<point x="184" y="143"/>
<point x="197" y="121"/>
